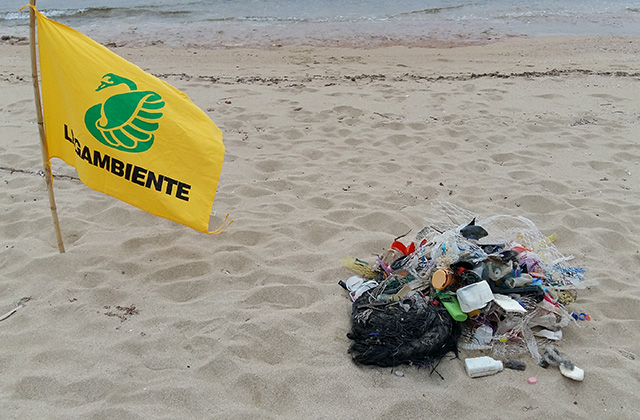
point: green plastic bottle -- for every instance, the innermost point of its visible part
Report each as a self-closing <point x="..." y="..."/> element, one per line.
<point x="450" y="302"/>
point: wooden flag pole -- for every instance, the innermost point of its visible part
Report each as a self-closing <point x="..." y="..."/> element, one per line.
<point x="43" y="141"/>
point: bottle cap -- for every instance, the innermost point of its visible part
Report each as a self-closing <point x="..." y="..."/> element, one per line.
<point x="473" y="313"/>
<point x="441" y="279"/>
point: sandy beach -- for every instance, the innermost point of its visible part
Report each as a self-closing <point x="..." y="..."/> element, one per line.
<point x="330" y="152"/>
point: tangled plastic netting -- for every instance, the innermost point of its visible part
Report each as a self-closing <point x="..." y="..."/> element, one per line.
<point x="406" y="307"/>
<point x="501" y="228"/>
<point x="395" y="334"/>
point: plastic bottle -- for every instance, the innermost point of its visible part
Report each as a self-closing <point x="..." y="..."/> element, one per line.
<point x="473" y="346"/>
<point x="450" y="303"/>
<point x="482" y="366"/>
<point x="513" y="282"/>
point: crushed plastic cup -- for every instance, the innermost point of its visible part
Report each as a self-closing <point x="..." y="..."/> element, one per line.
<point x="364" y="287"/>
<point x="483" y="335"/>
<point x="354" y="282"/>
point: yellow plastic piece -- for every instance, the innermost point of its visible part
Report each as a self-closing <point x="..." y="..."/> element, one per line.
<point x="548" y="240"/>
<point x="566" y="298"/>
<point x="359" y="267"/>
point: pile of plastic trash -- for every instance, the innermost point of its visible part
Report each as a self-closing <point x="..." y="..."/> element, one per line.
<point x="495" y="286"/>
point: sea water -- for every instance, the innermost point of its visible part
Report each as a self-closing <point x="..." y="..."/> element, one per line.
<point x="223" y="23"/>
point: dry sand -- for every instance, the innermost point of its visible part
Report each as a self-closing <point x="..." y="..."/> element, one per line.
<point x="329" y="152"/>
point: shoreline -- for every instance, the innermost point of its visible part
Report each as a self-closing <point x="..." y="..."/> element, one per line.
<point x="367" y="35"/>
<point x="571" y="50"/>
<point x="247" y="40"/>
<point x="271" y="40"/>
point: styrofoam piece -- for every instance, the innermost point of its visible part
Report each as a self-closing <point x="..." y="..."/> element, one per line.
<point x="508" y="304"/>
<point x="576" y="373"/>
<point x="550" y="335"/>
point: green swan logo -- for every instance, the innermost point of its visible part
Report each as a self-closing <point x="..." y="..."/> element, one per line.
<point x="125" y="121"/>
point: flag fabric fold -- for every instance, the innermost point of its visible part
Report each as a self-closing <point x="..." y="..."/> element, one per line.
<point x="129" y="134"/>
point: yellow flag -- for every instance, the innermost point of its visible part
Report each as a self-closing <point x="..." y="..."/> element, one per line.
<point x="128" y="134"/>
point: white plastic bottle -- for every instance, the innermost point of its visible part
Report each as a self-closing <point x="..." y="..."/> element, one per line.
<point x="482" y="366"/>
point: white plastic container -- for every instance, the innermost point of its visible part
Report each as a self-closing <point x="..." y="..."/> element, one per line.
<point x="482" y="366"/>
<point x="474" y="296"/>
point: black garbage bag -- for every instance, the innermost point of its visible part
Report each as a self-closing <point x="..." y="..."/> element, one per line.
<point x="389" y="335"/>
